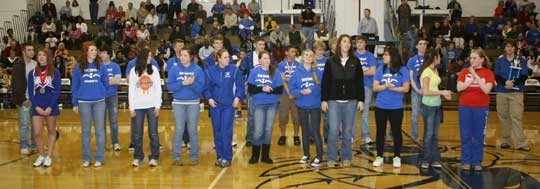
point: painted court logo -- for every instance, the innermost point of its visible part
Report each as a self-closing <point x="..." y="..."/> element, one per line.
<point x="145" y="83"/>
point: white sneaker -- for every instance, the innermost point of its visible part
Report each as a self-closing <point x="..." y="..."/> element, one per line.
<point x="86" y="164"/>
<point x="136" y="162"/>
<point x="316" y="162"/>
<point x="397" y="162"/>
<point x="39" y="161"/>
<point x="368" y="141"/>
<point x="304" y="160"/>
<point x="98" y="164"/>
<point x="153" y="163"/>
<point x="25" y="151"/>
<point x="116" y="147"/>
<point x="188" y="146"/>
<point x="234" y="144"/>
<point x="47" y="162"/>
<point x="378" y="161"/>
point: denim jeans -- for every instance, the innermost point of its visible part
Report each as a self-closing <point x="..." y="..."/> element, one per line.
<point x="432" y="121"/>
<point x="264" y="116"/>
<point x="368" y="93"/>
<point x="152" y="133"/>
<point x="340" y="115"/>
<point x="25" y="128"/>
<point x="416" y="102"/>
<point x="326" y="125"/>
<point x="111" y="106"/>
<point x="251" y="119"/>
<point x="186" y="115"/>
<point x="223" y="125"/>
<point x="93" y="112"/>
<point x="310" y="120"/>
<point x="162" y="19"/>
<point x="308" y="33"/>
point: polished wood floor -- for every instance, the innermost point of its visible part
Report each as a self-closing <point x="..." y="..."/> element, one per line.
<point x="504" y="168"/>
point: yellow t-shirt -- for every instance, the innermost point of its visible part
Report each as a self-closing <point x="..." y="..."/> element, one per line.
<point x="434" y="81"/>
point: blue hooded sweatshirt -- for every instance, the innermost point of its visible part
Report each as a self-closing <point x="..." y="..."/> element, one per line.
<point x="303" y="79"/>
<point x="259" y="78"/>
<point x="90" y="84"/>
<point x="113" y="70"/>
<point x="186" y="94"/>
<point x="224" y="84"/>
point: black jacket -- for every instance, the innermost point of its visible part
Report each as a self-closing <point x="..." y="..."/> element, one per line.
<point x="342" y="83"/>
<point x="19" y="82"/>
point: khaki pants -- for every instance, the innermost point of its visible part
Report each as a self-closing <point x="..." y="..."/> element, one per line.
<point x="287" y="105"/>
<point x="510" y="111"/>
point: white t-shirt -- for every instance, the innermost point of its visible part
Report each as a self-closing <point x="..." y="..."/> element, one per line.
<point x="144" y="91"/>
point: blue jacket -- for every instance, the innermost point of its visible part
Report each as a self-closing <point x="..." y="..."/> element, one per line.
<point x="259" y="78"/>
<point x="303" y="79"/>
<point x="471" y="28"/>
<point x="90" y="84"/>
<point x="491" y="30"/>
<point x="224" y="84"/>
<point x="211" y="62"/>
<point x="113" y="70"/>
<point x="502" y="74"/>
<point x="247" y="63"/>
<point x="195" y="30"/>
<point x="218" y="8"/>
<point x="52" y="90"/>
<point x="180" y="92"/>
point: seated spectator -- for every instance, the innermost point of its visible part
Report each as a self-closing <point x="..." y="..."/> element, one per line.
<point x="499" y="10"/>
<point x="521" y="41"/>
<point x="120" y="14"/>
<point x="149" y="6"/>
<point x="321" y="34"/>
<point x="216" y="29"/>
<point x="196" y="28"/>
<point x="61" y="51"/>
<point x="435" y="31"/>
<point x="142" y="13"/>
<point x="47" y="27"/>
<point x="12" y="46"/>
<point x="131" y="13"/>
<point x="120" y="59"/>
<point x="51" y="40"/>
<point x="193" y="8"/>
<point x="206" y="50"/>
<point x="65" y="12"/>
<point x="490" y="33"/>
<point x="111" y="11"/>
<point x="152" y="21"/>
<point x="142" y="33"/>
<point x="109" y="26"/>
<point x="231" y="22"/>
<point x="60" y="64"/>
<point x="295" y="38"/>
<point x="472" y="30"/>
<point x="410" y="39"/>
<point x="217" y="11"/>
<point x="533" y="36"/>
<point x="75" y="10"/>
<point x="269" y="25"/>
<point x="277" y="36"/>
<point x="246" y="27"/>
<point x="457" y="34"/>
<point x="201" y="13"/>
<point x="243" y="10"/>
<point x="164" y="48"/>
<point x="510" y="9"/>
<point x="5" y="80"/>
<point x="34" y="26"/>
<point x="49" y="10"/>
<point x="254" y="8"/>
<point x="74" y="37"/>
<point x="523" y="16"/>
<point x="177" y="34"/>
<point x="129" y="34"/>
<point x="11" y="59"/>
<point x="278" y="51"/>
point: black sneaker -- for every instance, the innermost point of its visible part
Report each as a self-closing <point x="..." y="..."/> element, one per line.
<point x="248" y="144"/>
<point x="160" y="147"/>
<point x="281" y="140"/>
<point x="131" y="147"/>
<point x="505" y="146"/>
<point x="296" y="140"/>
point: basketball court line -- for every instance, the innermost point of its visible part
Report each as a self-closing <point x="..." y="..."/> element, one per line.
<point x="222" y="172"/>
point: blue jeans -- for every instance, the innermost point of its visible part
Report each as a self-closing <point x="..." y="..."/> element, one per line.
<point x="416" y="102"/>
<point x="186" y="115"/>
<point x="432" y="121"/>
<point x="340" y="114"/>
<point x="93" y="112"/>
<point x="25" y="127"/>
<point x="264" y="121"/>
<point x="368" y="93"/>
<point x="251" y="118"/>
<point x="326" y="125"/>
<point x="308" y="33"/>
<point x="162" y="19"/>
<point x="223" y="123"/>
<point x="152" y="133"/>
<point x="310" y="120"/>
<point x="111" y="106"/>
<point x="472" y="127"/>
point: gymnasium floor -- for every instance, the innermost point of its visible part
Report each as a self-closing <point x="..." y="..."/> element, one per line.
<point x="503" y="168"/>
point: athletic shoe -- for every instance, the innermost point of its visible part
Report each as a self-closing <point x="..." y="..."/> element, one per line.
<point x="47" y="162"/>
<point x="436" y="164"/>
<point x="160" y="147"/>
<point x="505" y="146"/>
<point x="136" y="162"/>
<point x="524" y="148"/>
<point x="25" y="151"/>
<point x="249" y="144"/>
<point x="153" y="163"/>
<point x="378" y="161"/>
<point x="368" y="141"/>
<point x="184" y="145"/>
<point x="98" y="164"/>
<point x="281" y="140"/>
<point x="178" y="162"/>
<point x="233" y="144"/>
<point x="346" y="163"/>
<point x="466" y="167"/>
<point x="331" y="164"/>
<point x="116" y="147"/>
<point x="424" y="165"/>
<point x="397" y="162"/>
<point x="193" y="162"/>
<point x="131" y="147"/>
<point x="86" y="164"/>
<point x="39" y="161"/>
<point x="296" y="140"/>
<point x="316" y="162"/>
<point x="304" y="160"/>
<point x="188" y="146"/>
<point x="225" y="163"/>
<point x="218" y="162"/>
<point x="477" y="168"/>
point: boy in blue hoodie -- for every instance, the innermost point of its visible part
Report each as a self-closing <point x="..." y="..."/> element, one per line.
<point x="224" y="90"/>
<point x="111" y="99"/>
<point x="186" y="81"/>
